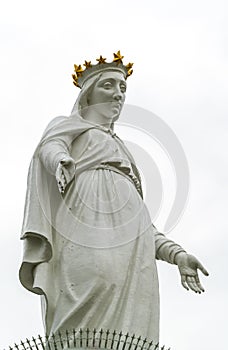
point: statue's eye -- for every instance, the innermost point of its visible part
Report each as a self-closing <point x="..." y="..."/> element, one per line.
<point x="107" y="85"/>
<point x="123" y="88"/>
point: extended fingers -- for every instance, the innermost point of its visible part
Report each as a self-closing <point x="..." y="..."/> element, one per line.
<point x="192" y="282"/>
<point x="198" y="283"/>
<point x="183" y="282"/>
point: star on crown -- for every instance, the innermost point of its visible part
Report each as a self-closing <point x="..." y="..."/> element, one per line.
<point x="81" y="75"/>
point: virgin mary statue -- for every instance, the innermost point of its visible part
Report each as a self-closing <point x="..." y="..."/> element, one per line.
<point x="90" y="247"/>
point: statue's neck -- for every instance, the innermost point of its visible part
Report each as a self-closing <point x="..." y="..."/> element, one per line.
<point x="97" y="118"/>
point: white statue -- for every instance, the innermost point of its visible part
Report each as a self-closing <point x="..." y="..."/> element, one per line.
<point x="90" y="248"/>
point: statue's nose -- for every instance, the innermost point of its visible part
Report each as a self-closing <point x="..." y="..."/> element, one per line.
<point x="118" y="94"/>
<point x="118" y="97"/>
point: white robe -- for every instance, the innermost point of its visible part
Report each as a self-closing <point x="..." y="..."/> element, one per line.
<point x="96" y="266"/>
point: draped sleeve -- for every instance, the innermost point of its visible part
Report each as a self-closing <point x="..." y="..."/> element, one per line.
<point x="38" y="212"/>
<point x="36" y="228"/>
<point x="166" y="249"/>
<point x="43" y="199"/>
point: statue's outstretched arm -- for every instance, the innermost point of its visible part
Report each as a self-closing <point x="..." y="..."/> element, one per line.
<point x="188" y="265"/>
<point x="56" y="158"/>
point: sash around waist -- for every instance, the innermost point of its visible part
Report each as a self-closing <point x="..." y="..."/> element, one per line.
<point x="134" y="180"/>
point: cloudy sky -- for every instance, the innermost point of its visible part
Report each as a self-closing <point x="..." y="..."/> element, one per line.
<point x="180" y="54"/>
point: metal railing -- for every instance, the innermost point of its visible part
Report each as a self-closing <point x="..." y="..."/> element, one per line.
<point x="88" y="339"/>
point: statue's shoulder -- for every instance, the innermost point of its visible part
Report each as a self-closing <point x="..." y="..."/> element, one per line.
<point x="54" y="122"/>
<point x="50" y="130"/>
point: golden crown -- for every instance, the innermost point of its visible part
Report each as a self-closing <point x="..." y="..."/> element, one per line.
<point x="81" y="75"/>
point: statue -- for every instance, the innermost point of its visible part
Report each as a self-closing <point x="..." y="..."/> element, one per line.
<point x="90" y="247"/>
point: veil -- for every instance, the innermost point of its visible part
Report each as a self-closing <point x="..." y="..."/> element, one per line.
<point x="82" y="99"/>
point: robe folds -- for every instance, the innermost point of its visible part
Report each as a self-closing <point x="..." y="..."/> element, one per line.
<point x="91" y="252"/>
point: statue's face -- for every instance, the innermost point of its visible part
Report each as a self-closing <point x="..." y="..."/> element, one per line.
<point x="108" y="94"/>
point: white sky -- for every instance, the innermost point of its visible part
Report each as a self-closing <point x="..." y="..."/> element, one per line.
<point x="180" y="53"/>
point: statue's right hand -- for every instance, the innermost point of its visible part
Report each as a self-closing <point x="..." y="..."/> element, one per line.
<point x="65" y="173"/>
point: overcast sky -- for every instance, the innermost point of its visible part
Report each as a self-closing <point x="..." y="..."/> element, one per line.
<point x="180" y="54"/>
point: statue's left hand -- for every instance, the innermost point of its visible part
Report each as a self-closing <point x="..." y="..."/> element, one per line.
<point x="188" y="266"/>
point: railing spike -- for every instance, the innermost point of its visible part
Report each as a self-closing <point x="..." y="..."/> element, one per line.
<point x="23" y="345"/>
<point x="41" y="342"/>
<point x="118" y="342"/>
<point x="138" y="340"/>
<point x="94" y="337"/>
<point x="74" y="336"/>
<point x="106" y="338"/>
<point x="28" y="342"/>
<point x="150" y="344"/>
<point x="87" y="337"/>
<point x="156" y="346"/>
<point x="80" y="335"/>
<point x="67" y="338"/>
<point x="131" y="342"/>
<point x="143" y="343"/>
<point x="125" y="341"/>
<point x="34" y="341"/>
<point x="113" y="338"/>
<point x="100" y="339"/>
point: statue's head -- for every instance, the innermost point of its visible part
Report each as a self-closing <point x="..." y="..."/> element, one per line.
<point x="103" y="86"/>
<point x="107" y="94"/>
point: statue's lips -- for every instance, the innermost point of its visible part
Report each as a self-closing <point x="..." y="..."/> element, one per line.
<point x="116" y="104"/>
